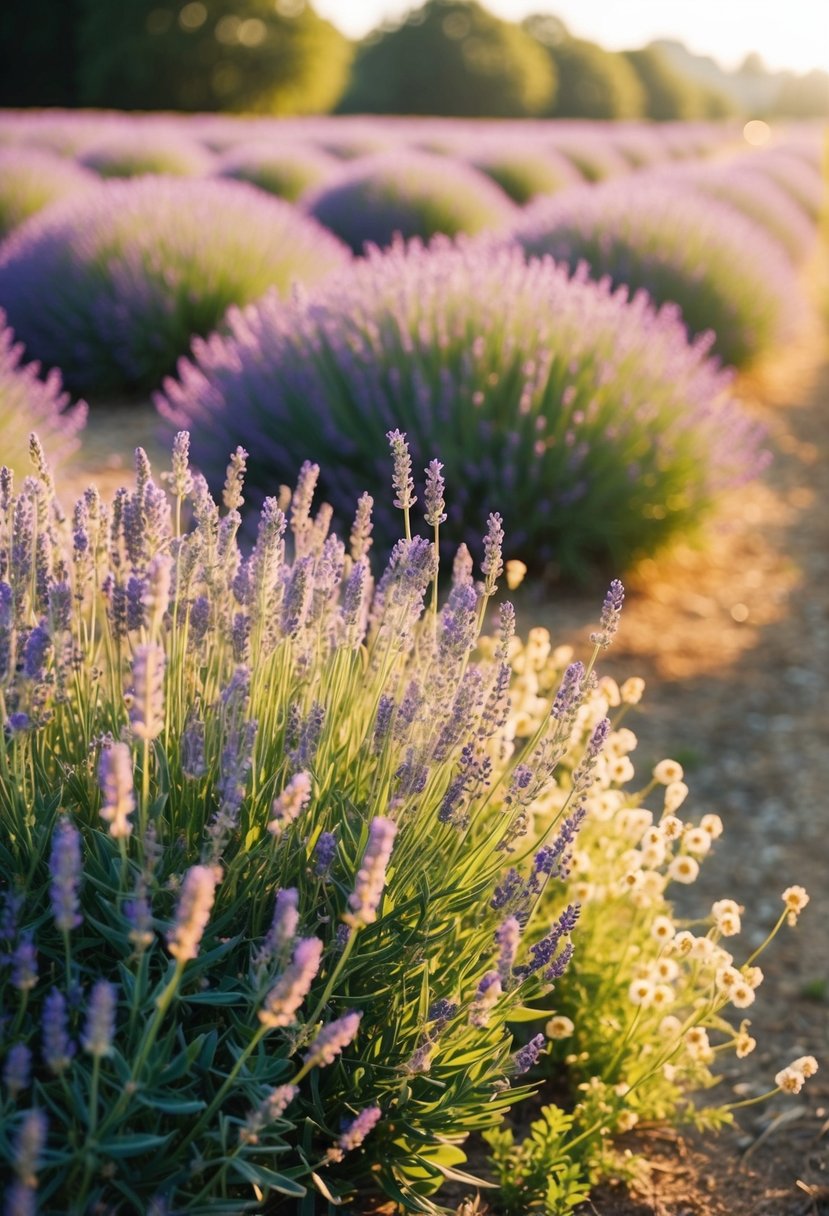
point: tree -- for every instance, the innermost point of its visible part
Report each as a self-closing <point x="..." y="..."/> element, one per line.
<point x="592" y="82"/>
<point x="804" y="96"/>
<point x="668" y="94"/>
<point x="249" y="55"/>
<point x="451" y="57"/>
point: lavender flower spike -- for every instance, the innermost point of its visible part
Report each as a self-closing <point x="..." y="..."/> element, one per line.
<point x="115" y="776"/>
<point x="292" y="987"/>
<point x="197" y="895"/>
<point x="147" y="709"/>
<point x="100" y="1020"/>
<point x="435" y="514"/>
<point x="28" y="1146"/>
<point x="291" y="802"/>
<point x="57" y="1048"/>
<point x="371" y="877"/>
<point x="527" y="1057"/>
<point x="357" y="1130"/>
<point x="17" y="1070"/>
<point x="65" y="868"/>
<point x="507" y="936"/>
<point x="402" y="476"/>
<point x="332" y="1039"/>
<point x="611" y="613"/>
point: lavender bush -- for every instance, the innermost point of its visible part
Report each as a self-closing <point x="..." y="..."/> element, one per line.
<point x="285" y="170"/>
<point x="798" y="177"/>
<point x="26" y="401"/>
<point x="410" y="194"/>
<point x="525" y="172"/>
<point x="723" y="271"/>
<point x="30" y="180"/>
<point x="762" y="200"/>
<point x="111" y="287"/>
<point x="133" y="151"/>
<point x="253" y="813"/>
<point x="603" y="429"/>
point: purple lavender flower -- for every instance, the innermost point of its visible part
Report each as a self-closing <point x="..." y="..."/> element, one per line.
<point x="290" y="990"/>
<point x="65" y="869"/>
<point x="24" y="964"/>
<point x="147" y="709"/>
<point x="355" y="1132"/>
<point x="402" y="477"/>
<point x="611" y="614"/>
<point x="35" y="652"/>
<point x="325" y="850"/>
<point x="360" y="540"/>
<point x="527" y="1057"/>
<point x="493" y="564"/>
<point x="507" y="936"/>
<point x="487" y="995"/>
<point x="57" y="1049"/>
<point x="115" y="777"/>
<point x="283" y="927"/>
<point x="433" y="496"/>
<point x="28" y="1147"/>
<point x="100" y="1019"/>
<point x="569" y="692"/>
<point x="17" y="1069"/>
<point x="370" y="882"/>
<point x="332" y="1039"/>
<point x="543" y="952"/>
<point x="198" y="892"/>
<point x="291" y="802"/>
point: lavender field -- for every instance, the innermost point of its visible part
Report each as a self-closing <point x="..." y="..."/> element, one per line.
<point x="330" y="880"/>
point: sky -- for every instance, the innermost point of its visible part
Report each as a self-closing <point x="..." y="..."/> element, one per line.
<point x="787" y="33"/>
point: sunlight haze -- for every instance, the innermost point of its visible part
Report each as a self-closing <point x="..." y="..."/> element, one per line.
<point x="794" y="35"/>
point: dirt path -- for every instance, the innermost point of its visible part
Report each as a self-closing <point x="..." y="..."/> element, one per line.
<point x="733" y="642"/>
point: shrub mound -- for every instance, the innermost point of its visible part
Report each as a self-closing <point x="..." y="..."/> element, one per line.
<point x="605" y="430"/>
<point x="30" y="180"/>
<point x="111" y="287"/>
<point x="27" y="402"/>
<point x="286" y="170"/>
<point x="136" y="151"/>
<point x="725" y="273"/>
<point x="798" y="177"/>
<point x="524" y="173"/>
<point x="410" y="194"/>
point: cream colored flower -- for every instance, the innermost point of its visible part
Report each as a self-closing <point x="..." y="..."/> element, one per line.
<point x="632" y="690"/>
<point x="683" y="942"/>
<point x="653" y="855"/>
<point x="627" y="1121"/>
<point x="641" y="992"/>
<point x="609" y="689"/>
<point x="663" y="996"/>
<point x="671" y="826"/>
<point x="742" y="995"/>
<point x="807" y="1065"/>
<point x="675" y="794"/>
<point x="790" y="1080"/>
<point x="696" y="1041"/>
<point x="538" y="647"/>
<point x="683" y="869"/>
<point x="795" y="899"/>
<point x="662" y="928"/>
<point x="753" y="976"/>
<point x="634" y="821"/>
<point x="559" y="1027"/>
<point x="712" y="824"/>
<point x="696" y="841"/>
<point x="621" y="742"/>
<point x="515" y="572"/>
<point x="665" y="970"/>
<point x="667" y="771"/>
<point x="619" y="769"/>
<point x="670" y="1026"/>
<point x="727" y="978"/>
<point x="744" y="1043"/>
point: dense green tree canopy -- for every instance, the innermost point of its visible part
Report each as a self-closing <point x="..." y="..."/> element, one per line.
<point x="592" y="82"/>
<point x="254" y="55"/>
<point x="452" y="57"/>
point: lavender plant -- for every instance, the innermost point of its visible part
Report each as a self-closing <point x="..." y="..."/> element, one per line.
<point x="723" y="271"/>
<point x="133" y="151"/>
<point x="255" y="813"/>
<point x="604" y="429"/>
<point x="30" y="180"/>
<point x="27" y="400"/>
<point x="112" y="286"/>
<point x="409" y="194"/>
<point x="800" y="179"/>
<point x="286" y="170"/>
<point x="525" y="172"/>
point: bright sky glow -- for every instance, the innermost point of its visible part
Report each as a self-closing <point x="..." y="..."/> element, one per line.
<point x="787" y="33"/>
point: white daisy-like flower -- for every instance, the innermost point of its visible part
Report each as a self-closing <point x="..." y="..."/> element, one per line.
<point x="662" y="928"/>
<point x="675" y="794"/>
<point x="696" y="841"/>
<point x="795" y="899"/>
<point x="560" y="1027"/>
<point x="683" y="869"/>
<point x="667" y="771"/>
<point x="712" y="824"/>
<point x="641" y="992"/>
<point x="632" y="690"/>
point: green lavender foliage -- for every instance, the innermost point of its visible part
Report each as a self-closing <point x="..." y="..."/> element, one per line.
<point x="182" y="725"/>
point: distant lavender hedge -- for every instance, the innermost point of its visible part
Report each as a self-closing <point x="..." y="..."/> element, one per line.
<point x="800" y="178"/>
<point x="30" y="180"/>
<point x="27" y="404"/>
<point x="412" y="194"/>
<point x="725" y="273"/>
<point x="524" y="172"/>
<point x="591" y="422"/>
<point x="133" y="151"/>
<point x="112" y="287"/>
<point x="285" y="170"/>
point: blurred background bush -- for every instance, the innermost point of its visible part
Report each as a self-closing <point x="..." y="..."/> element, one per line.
<point x="449" y="57"/>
